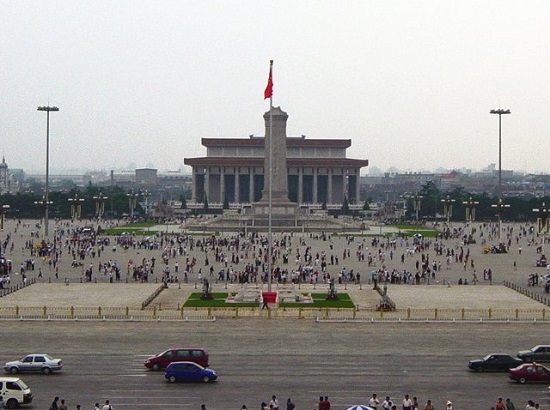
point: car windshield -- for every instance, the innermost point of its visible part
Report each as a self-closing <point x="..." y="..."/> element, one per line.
<point x="487" y="357"/>
<point x="23" y="385"/>
<point x="47" y="357"/>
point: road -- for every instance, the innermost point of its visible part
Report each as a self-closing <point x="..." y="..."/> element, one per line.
<point x="289" y="358"/>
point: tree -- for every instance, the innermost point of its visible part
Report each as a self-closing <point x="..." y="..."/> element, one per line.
<point x="345" y="206"/>
<point x="366" y="206"/>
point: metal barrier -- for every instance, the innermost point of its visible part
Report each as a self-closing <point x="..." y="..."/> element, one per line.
<point x="317" y="314"/>
<point x="528" y="292"/>
<point x="14" y="288"/>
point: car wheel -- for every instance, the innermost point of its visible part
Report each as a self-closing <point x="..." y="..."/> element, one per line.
<point x="46" y="370"/>
<point x="528" y="359"/>
<point x="205" y="379"/>
<point x="172" y="379"/>
<point x="14" y="370"/>
<point x="156" y="367"/>
<point x="12" y="404"/>
<point x="480" y="369"/>
<point x="522" y="380"/>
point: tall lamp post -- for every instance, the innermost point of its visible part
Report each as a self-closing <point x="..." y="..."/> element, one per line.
<point x="76" y="207"/>
<point x="3" y="210"/>
<point x="46" y="201"/>
<point x="100" y="205"/>
<point x="500" y="113"/>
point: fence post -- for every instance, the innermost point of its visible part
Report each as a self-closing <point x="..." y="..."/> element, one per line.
<point x="99" y="311"/>
<point x="237" y="312"/>
<point x="408" y="313"/>
<point x="72" y="312"/>
<point x="517" y="314"/>
<point x="543" y="313"/>
<point x="354" y="312"/>
<point x="463" y="313"/>
<point x="435" y="312"/>
<point x="299" y="313"/>
<point x="127" y="311"/>
<point x="490" y="313"/>
<point x="44" y="309"/>
<point x="154" y="311"/>
<point x="17" y="310"/>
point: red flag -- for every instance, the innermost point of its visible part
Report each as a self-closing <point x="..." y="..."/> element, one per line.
<point x="268" y="93"/>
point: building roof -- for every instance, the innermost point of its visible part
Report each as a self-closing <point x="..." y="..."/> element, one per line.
<point x="291" y="162"/>
<point x="290" y="142"/>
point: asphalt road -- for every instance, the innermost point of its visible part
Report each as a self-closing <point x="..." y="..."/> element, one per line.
<point x="258" y="358"/>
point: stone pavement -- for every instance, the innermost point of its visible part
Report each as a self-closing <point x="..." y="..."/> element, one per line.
<point x="50" y="291"/>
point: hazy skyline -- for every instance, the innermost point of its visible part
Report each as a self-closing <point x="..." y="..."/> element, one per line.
<point x="411" y="83"/>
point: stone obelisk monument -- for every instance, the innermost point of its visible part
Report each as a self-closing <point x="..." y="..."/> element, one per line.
<point x="282" y="209"/>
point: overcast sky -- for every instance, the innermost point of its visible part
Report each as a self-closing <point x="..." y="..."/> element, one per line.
<point x="139" y="83"/>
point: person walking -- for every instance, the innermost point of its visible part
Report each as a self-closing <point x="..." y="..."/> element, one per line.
<point x="54" y="405"/>
<point x="374" y="402"/>
<point x="290" y="405"/>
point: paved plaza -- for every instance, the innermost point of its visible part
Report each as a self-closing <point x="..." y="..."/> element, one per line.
<point x="443" y="291"/>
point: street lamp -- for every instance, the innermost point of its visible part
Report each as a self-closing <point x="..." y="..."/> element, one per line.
<point x="43" y="205"/>
<point x="132" y="201"/>
<point x="3" y="210"/>
<point x="470" y="206"/>
<point x="76" y="207"/>
<point x="448" y="207"/>
<point x="500" y="207"/>
<point x="100" y="205"/>
<point x="542" y="219"/>
<point x="146" y="194"/>
<point x="46" y="201"/>
<point x="500" y="113"/>
<point x="416" y="200"/>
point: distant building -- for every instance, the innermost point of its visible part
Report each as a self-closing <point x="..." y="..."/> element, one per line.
<point x="9" y="184"/>
<point x="318" y="171"/>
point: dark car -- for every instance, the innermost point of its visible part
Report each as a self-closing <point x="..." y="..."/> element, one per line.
<point x="539" y="353"/>
<point x="530" y="372"/>
<point x="180" y="354"/>
<point x="494" y="362"/>
<point x="189" y="372"/>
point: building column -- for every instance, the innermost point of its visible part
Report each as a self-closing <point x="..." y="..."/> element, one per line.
<point x="300" y="185"/>
<point x="207" y="183"/>
<point x="358" y="187"/>
<point x="329" y="187"/>
<point x="194" y="185"/>
<point x="222" y="185"/>
<point x="345" y="184"/>
<point x="237" y="196"/>
<point x="315" y="197"/>
<point x="251" y="186"/>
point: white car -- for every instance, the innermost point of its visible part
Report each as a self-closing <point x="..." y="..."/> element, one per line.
<point x="34" y="363"/>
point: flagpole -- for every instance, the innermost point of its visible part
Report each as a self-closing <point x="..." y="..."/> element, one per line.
<point x="269" y="229"/>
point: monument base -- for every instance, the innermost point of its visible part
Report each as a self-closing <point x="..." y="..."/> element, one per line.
<point x="283" y="214"/>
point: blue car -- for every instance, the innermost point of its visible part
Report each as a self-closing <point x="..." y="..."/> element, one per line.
<point x="189" y="372"/>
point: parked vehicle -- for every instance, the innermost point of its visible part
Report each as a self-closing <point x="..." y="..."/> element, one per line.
<point x="530" y="372"/>
<point x="539" y="353"/>
<point x="14" y="392"/>
<point x="182" y="354"/>
<point x="189" y="372"/>
<point x="495" y="362"/>
<point x="34" y="363"/>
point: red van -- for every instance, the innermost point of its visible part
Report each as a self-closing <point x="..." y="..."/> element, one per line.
<point x="181" y="354"/>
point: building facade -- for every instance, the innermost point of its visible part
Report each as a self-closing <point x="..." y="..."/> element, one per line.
<point x="318" y="171"/>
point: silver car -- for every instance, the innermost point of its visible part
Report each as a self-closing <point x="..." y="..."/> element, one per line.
<point x="34" y="363"/>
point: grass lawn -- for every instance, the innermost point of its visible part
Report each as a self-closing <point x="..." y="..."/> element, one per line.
<point x="319" y="301"/>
